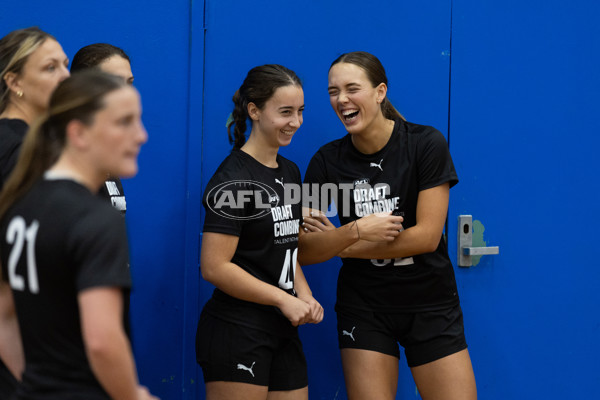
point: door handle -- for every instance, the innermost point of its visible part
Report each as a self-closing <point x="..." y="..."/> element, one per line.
<point x="465" y="243"/>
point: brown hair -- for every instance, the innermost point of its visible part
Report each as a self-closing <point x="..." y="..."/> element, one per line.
<point x="258" y="87"/>
<point x="79" y="97"/>
<point x="15" y="49"/>
<point x="95" y="54"/>
<point x="376" y="75"/>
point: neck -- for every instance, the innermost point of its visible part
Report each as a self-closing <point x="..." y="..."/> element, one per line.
<point x="262" y="152"/>
<point x="375" y="137"/>
<point x="20" y="110"/>
<point x="79" y="170"/>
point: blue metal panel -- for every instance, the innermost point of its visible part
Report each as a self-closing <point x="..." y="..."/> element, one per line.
<point x="412" y="40"/>
<point x="525" y="86"/>
<point x="155" y="35"/>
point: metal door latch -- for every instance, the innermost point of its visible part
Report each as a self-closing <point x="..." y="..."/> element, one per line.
<point x="465" y="243"/>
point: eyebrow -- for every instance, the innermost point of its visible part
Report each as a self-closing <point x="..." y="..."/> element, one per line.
<point x="347" y="85"/>
<point x="289" y="107"/>
<point x="54" y="59"/>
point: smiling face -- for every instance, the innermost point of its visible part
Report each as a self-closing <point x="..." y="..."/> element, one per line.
<point x="117" y="133"/>
<point x="353" y="98"/>
<point x="280" y="117"/>
<point x="45" y="68"/>
<point x="119" y="66"/>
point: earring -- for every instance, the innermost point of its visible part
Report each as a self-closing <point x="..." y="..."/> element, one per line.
<point x="19" y="94"/>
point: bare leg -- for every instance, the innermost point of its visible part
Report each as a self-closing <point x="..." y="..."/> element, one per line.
<point x="221" y="390"/>
<point x="299" y="394"/>
<point x="369" y="375"/>
<point x="449" y="378"/>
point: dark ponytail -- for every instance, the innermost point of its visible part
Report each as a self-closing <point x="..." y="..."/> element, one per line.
<point x="376" y="75"/>
<point x="95" y="54"/>
<point x="239" y="115"/>
<point x="258" y="87"/>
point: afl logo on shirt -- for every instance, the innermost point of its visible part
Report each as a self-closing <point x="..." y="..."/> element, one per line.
<point x="242" y="199"/>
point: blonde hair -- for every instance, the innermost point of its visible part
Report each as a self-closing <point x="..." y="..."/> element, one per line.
<point x="15" y="49"/>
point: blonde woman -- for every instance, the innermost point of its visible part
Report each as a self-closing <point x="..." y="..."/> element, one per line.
<point x="32" y="63"/>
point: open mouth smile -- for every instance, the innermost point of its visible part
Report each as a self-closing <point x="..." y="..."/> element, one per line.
<point x="349" y="115"/>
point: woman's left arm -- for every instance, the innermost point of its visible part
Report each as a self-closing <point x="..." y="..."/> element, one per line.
<point x="424" y="237"/>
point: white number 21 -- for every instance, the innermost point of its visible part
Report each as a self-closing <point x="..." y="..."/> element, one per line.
<point x="17" y="234"/>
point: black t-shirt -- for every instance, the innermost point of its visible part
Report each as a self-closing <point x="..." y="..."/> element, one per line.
<point x="415" y="158"/>
<point x="12" y="132"/>
<point x="246" y="199"/>
<point x="112" y="190"/>
<point x="56" y="241"/>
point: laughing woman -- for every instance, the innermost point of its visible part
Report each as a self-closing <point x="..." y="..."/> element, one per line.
<point x="247" y="341"/>
<point x="400" y="289"/>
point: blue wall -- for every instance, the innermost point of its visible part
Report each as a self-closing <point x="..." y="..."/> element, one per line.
<point x="503" y="81"/>
<point x="156" y="35"/>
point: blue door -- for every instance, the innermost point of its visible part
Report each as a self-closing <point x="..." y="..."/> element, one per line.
<point x="523" y="135"/>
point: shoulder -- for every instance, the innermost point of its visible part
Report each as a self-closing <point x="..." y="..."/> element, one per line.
<point x="422" y="136"/>
<point x="12" y="132"/>
<point x="234" y="166"/>
<point x="419" y="131"/>
<point x="288" y="164"/>
<point x="76" y="201"/>
<point x="334" y="145"/>
<point x="332" y="151"/>
<point x="16" y="126"/>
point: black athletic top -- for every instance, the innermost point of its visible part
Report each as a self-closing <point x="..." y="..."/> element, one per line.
<point x="12" y="132"/>
<point x="415" y="158"/>
<point x="246" y="199"/>
<point x="112" y="190"/>
<point x="56" y="241"/>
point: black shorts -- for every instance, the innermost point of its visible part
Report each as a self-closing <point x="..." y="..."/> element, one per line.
<point x="426" y="336"/>
<point x="235" y="353"/>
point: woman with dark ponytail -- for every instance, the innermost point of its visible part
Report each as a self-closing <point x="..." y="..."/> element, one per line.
<point x="247" y="341"/>
<point x="400" y="288"/>
<point x="32" y="63"/>
<point x="63" y="250"/>
<point x="113" y="60"/>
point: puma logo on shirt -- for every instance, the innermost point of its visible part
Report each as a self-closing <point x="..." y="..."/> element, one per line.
<point x="279" y="181"/>
<point x="351" y="333"/>
<point x="377" y="165"/>
<point x="249" y="369"/>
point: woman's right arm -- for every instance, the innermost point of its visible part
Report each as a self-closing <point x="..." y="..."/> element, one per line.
<point x="216" y="267"/>
<point x="319" y="240"/>
<point x="106" y="344"/>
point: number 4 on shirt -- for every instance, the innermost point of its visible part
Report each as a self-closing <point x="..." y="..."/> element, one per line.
<point x="286" y="279"/>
